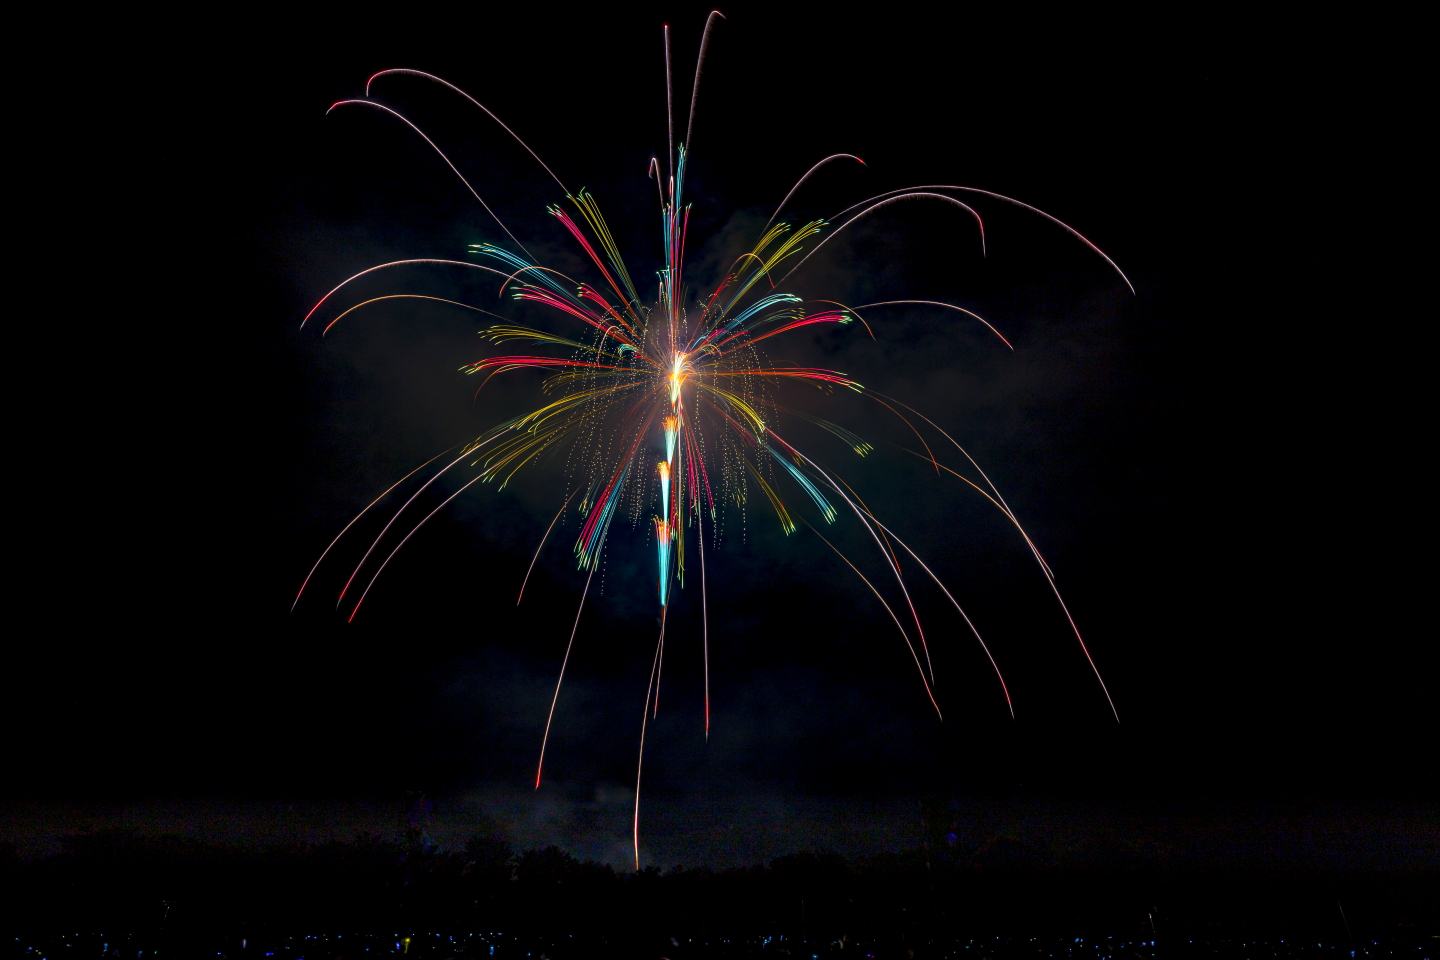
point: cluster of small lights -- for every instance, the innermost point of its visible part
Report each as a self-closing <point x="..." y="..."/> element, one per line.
<point x="495" y="943"/>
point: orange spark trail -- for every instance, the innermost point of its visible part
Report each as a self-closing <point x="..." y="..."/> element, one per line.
<point x="568" y="498"/>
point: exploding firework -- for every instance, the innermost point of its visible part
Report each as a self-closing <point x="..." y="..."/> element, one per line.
<point x="665" y="404"/>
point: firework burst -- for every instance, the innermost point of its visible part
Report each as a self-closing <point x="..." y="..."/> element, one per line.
<point x="663" y="404"/>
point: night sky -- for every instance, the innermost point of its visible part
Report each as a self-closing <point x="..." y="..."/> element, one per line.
<point x="1223" y="470"/>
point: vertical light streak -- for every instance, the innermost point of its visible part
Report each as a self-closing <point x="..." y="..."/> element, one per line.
<point x="550" y="717"/>
<point x="699" y="63"/>
<point x="672" y="433"/>
<point x="704" y="618"/>
<point x="644" y="718"/>
<point x="669" y="111"/>
<point x="663" y="531"/>
<point x="677" y="376"/>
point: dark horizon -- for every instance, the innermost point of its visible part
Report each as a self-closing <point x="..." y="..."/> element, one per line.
<point x="1211" y="466"/>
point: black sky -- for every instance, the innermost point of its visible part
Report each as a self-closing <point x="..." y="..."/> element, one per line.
<point x="1223" y="470"/>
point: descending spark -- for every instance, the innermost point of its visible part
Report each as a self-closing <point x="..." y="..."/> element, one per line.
<point x="391" y="522"/>
<point x="453" y="169"/>
<point x="446" y="83"/>
<point x="405" y="296"/>
<point x="948" y="306"/>
<point x="1010" y="200"/>
<point x="704" y="618"/>
<point x="1049" y="575"/>
<point x="405" y="540"/>
<point x="644" y="720"/>
<point x="381" y="266"/>
<point x="918" y="195"/>
<point x="550" y="717"/>
<point x="798" y="183"/>
<point x="570" y="496"/>
<point x="898" y="625"/>
<point x="1004" y="687"/>
<point x="356" y="519"/>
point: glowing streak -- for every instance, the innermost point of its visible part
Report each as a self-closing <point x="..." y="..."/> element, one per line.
<point x="520" y="363"/>
<point x="988" y="482"/>
<point x="522" y="266"/>
<point x="644" y="718"/>
<point x="852" y="310"/>
<point x="672" y="433"/>
<point x="677" y="377"/>
<point x="662" y="545"/>
<point x="356" y="520"/>
<point x="981" y="640"/>
<point x="833" y="156"/>
<point x="590" y="210"/>
<point x="786" y="524"/>
<point x="570" y="496"/>
<point x="699" y="62"/>
<point x="704" y="619"/>
<point x="669" y="130"/>
<point x="825" y="508"/>
<point x="444" y="83"/>
<point x="889" y="558"/>
<point x="885" y="203"/>
<point x="659" y="669"/>
<point x="405" y="540"/>
<point x="766" y="302"/>
<point x="805" y="322"/>
<point x="878" y="398"/>
<point x="405" y="296"/>
<point x="798" y="373"/>
<point x="393" y="263"/>
<point x="453" y="169"/>
<point x="1041" y="560"/>
<point x="790" y="247"/>
<point x="556" y="699"/>
<point x="948" y="306"/>
<point x="1011" y="200"/>
<point x="986" y="494"/>
<point x="467" y="452"/>
<point x="898" y="625"/>
<point x="575" y="231"/>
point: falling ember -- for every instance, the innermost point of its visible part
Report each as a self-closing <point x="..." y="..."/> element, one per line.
<point x="620" y="366"/>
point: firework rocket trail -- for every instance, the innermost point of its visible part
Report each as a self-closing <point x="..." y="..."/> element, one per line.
<point x="666" y="403"/>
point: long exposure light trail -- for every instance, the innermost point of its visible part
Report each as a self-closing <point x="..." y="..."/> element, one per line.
<point x="665" y="404"/>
